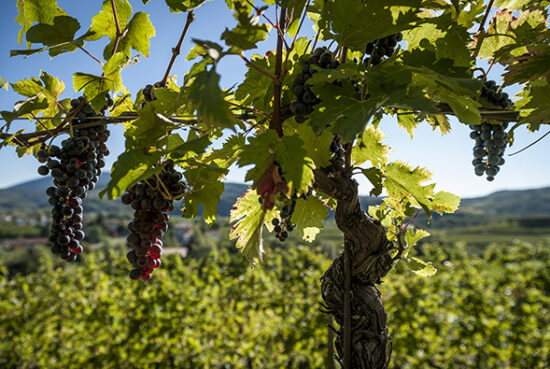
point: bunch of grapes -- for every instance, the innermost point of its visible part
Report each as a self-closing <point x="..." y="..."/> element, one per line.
<point x="377" y="50"/>
<point x="337" y="160"/>
<point x="490" y="139"/>
<point x="305" y="98"/>
<point x="490" y="143"/>
<point x="282" y="226"/>
<point x="492" y="92"/>
<point x="151" y="199"/>
<point x="75" y="167"/>
<point x="148" y="94"/>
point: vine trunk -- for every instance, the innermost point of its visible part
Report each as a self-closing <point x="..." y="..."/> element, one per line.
<point x="368" y="250"/>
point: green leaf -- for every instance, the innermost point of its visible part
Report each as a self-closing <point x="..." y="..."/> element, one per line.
<point x="22" y="108"/>
<point x="248" y="31"/>
<point x="256" y="90"/>
<point x="3" y="83"/>
<point x="535" y="103"/>
<point x="355" y="23"/>
<point x="184" y="5"/>
<point x="512" y="4"/>
<point x="137" y="36"/>
<point x="422" y="268"/>
<point x="402" y="181"/>
<point x="103" y="23"/>
<point x="339" y="108"/>
<point x="28" y="87"/>
<point x="529" y="69"/>
<point x="131" y="167"/>
<point x="317" y="146"/>
<point x="111" y="70"/>
<point x="34" y="11"/>
<point x="249" y="217"/>
<point x="207" y="190"/>
<point x="207" y="97"/>
<point x="374" y="175"/>
<point x="62" y="30"/>
<point x="136" y="164"/>
<point x="369" y="147"/>
<point x="297" y="167"/>
<point x="445" y="202"/>
<point x="412" y="236"/>
<point x="309" y="216"/>
<point x="407" y="121"/>
<point x="95" y="88"/>
<point x="259" y="152"/>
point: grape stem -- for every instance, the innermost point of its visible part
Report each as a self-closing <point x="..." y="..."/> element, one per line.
<point x="176" y="50"/>
<point x="118" y="31"/>
<point x="277" y="121"/>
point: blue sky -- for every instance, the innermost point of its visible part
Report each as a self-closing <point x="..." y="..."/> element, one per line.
<point x="448" y="157"/>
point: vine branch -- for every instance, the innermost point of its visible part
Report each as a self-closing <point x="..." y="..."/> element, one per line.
<point x="254" y="66"/>
<point x="118" y="31"/>
<point x="176" y="50"/>
<point x="277" y="121"/>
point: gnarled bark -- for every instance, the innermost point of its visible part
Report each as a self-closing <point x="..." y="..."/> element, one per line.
<point x="370" y="260"/>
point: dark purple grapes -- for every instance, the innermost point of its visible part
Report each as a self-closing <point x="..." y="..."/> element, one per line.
<point x="305" y="98"/>
<point x="378" y="50"/>
<point x="74" y="167"/>
<point x="149" y="200"/>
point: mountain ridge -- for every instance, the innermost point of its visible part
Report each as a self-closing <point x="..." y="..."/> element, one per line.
<point x="512" y="203"/>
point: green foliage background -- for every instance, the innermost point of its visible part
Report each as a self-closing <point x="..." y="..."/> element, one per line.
<point x="487" y="311"/>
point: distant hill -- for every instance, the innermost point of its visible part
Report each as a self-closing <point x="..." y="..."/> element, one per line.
<point x="30" y="196"/>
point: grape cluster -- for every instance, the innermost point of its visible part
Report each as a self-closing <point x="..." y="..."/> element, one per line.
<point x="75" y="167"/>
<point x="283" y="226"/>
<point x="490" y="90"/>
<point x="337" y="160"/>
<point x="152" y="200"/>
<point x="378" y="49"/>
<point x="490" y="143"/>
<point x="148" y="94"/>
<point x="305" y="98"/>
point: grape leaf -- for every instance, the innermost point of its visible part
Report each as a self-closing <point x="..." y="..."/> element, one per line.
<point x="129" y="168"/>
<point x="258" y="152"/>
<point x="3" y="83"/>
<point x="535" y="104"/>
<point x="256" y="90"/>
<point x="369" y="147"/>
<point x="248" y="31"/>
<point x="22" y="108"/>
<point x="112" y="68"/>
<point x="207" y="190"/>
<point x="401" y="181"/>
<point x="445" y="202"/>
<point x="411" y="237"/>
<point x="297" y="167"/>
<point x="32" y="11"/>
<point x="138" y="33"/>
<point x="206" y="95"/>
<point x="338" y="107"/>
<point x="248" y="216"/>
<point x="529" y="69"/>
<point x="374" y="175"/>
<point x="103" y="23"/>
<point x="512" y="4"/>
<point x="308" y="216"/>
<point x="497" y="35"/>
<point x="354" y="23"/>
<point x="184" y="5"/>
<point x="95" y="88"/>
<point x="317" y="146"/>
<point x="407" y="121"/>
<point x="422" y="268"/>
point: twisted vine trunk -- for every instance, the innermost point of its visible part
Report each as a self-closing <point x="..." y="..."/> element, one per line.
<point x="367" y="248"/>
